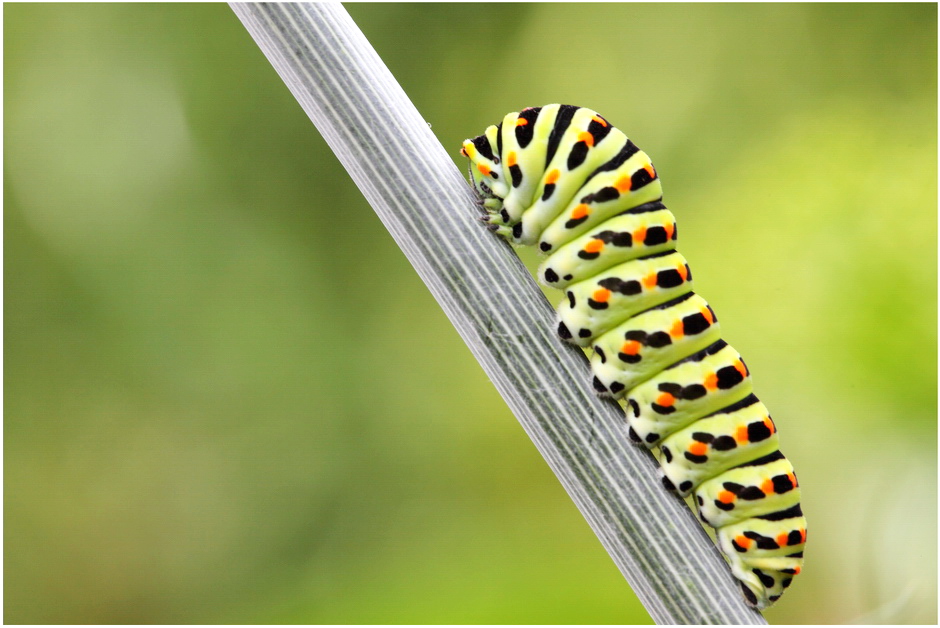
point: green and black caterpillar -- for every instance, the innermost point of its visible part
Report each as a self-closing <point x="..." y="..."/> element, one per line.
<point x="562" y="178"/>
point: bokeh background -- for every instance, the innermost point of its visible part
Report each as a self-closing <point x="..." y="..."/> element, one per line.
<point x="228" y="397"/>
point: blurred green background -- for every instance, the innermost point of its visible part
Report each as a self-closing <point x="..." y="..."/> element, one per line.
<point x="228" y="397"/>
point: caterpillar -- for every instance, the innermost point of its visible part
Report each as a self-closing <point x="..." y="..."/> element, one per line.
<point x="563" y="178"/>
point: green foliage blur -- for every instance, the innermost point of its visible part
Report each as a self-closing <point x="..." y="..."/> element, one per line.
<point x="229" y="398"/>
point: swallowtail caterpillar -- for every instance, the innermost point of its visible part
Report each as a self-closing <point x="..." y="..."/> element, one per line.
<point x="562" y="178"/>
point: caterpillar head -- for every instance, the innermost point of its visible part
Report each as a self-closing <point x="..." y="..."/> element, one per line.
<point x="485" y="170"/>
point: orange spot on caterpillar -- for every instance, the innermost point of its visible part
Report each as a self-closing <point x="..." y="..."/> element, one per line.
<point x="767" y="486"/>
<point x="698" y="449"/>
<point x="742" y="541"/>
<point x="639" y="235"/>
<point x="623" y="184"/>
<point x="797" y="570"/>
<point x="650" y="280"/>
<point x="601" y="296"/>
<point x="769" y="424"/>
<point x="650" y="171"/>
<point x="683" y="271"/>
<point x="630" y="347"/>
<point x="740" y="434"/>
<point x="670" y="229"/>
<point x="677" y="330"/>
<point x="726" y="497"/>
<point x="552" y="177"/>
<point x="601" y="121"/>
<point x="511" y="159"/>
<point x="793" y="479"/>
<point x="521" y="122"/>
<point x="580" y="211"/>
<point x="707" y="313"/>
<point x="711" y="383"/>
<point x="484" y="169"/>
<point x="782" y="539"/>
<point x="802" y="535"/>
<point x="739" y="365"/>
<point x="665" y="400"/>
<point x="594" y="246"/>
<point x="586" y="137"/>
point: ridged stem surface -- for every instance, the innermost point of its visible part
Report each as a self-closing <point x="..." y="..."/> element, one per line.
<point x="424" y="201"/>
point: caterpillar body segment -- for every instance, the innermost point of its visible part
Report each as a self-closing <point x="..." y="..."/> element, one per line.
<point x="651" y="341"/>
<point x="714" y="444"/>
<point x="752" y="493"/>
<point x="600" y="303"/>
<point x="702" y="383"/>
<point x="767" y="554"/>
<point x="563" y="179"/>
<point x="638" y="232"/>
